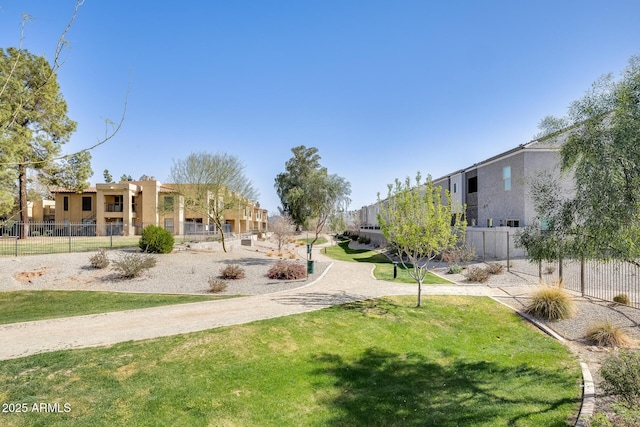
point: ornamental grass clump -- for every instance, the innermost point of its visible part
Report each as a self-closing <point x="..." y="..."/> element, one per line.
<point x="232" y="272"/>
<point x="604" y="333"/>
<point x="621" y="299"/>
<point x="551" y="303"/>
<point x="287" y="270"/>
<point x="129" y="265"/>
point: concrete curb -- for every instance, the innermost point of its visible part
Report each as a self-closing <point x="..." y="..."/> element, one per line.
<point x="588" y="386"/>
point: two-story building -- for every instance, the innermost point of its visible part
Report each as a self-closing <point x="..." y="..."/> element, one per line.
<point x="124" y="208"/>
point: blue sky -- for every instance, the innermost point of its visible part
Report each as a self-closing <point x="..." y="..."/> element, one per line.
<point x="382" y="88"/>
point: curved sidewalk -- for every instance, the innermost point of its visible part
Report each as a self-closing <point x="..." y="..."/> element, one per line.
<point x="342" y="282"/>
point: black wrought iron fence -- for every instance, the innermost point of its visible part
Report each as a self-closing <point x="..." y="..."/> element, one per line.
<point x="49" y="237"/>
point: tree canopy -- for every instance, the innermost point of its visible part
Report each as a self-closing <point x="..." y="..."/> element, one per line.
<point x="415" y="220"/>
<point x="211" y="184"/>
<point x="293" y="185"/>
<point x="33" y="125"/>
<point x="602" y="152"/>
<point x="308" y="193"/>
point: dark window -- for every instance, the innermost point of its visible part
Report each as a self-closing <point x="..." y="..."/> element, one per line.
<point x="513" y="223"/>
<point x="168" y="203"/>
<point x="86" y="203"/>
<point x="473" y="185"/>
<point x="65" y="203"/>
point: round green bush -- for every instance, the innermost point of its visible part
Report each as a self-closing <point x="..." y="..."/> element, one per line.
<point x="156" y="240"/>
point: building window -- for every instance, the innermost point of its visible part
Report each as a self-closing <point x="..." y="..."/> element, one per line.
<point x="513" y="223"/>
<point x="473" y="184"/>
<point x="506" y="176"/>
<point x="168" y="224"/>
<point x="455" y="187"/>
<point x="168" y="204"/>
<point x="86" y="204"/>
<point x="65" y="203"/>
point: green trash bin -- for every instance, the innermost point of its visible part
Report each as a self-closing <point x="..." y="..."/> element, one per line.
<point x="310" y="266"/>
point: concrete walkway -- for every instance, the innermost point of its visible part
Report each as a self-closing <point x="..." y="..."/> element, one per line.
<point x="342" y="282"/>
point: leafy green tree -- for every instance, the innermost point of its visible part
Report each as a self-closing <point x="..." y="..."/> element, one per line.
<point x="107" y="176"/>
<point x="602" y="151"/>
<point x="210" y="184"/>
<point x="414" y="219"/>
<point x="327" y="194"/>
<point x="293" y="185"/>
<point x="33" y="120"/>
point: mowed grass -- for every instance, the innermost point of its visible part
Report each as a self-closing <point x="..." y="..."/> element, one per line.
<point x="457" y="361"/>
<point x="23" y="306"/>
<point x="307" y="240"/>
<point x="383" y="267"/>
<point x="60" y="244"/>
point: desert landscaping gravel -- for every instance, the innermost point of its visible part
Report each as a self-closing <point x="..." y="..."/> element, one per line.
<point x="185" y="271"/>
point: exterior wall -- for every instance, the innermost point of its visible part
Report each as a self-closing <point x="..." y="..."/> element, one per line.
<point x="546" y="163"/>
<point x="496" y="204"/>
<point x="471" y="199"/>
<point x="457" y="191"/>
<point x="74" y="214"/>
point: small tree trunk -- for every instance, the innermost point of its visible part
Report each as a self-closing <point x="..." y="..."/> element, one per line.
<point x="419" y="293"/>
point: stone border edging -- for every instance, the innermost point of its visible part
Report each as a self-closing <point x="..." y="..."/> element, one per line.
<point x="588" y="386"/>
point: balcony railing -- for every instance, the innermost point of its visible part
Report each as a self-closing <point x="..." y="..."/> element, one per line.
<point x="113" y="207"/>
<point x="118" y="207"/>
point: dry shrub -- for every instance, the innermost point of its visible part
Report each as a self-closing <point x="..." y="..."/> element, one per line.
<point x="232" y="272"/>
<point x="477" y="274"/>
<point x="552" y="303"/>
<point x="100" y="259"/>
<point x="622" y="299"/>
<point x="450" y="257"/>
<point x="495" y="268"/>
<point x="217" y="285"/>
<point x="621" y="374"/>
<point x="287" y="270"/>
<point x="280" y="254"/>
<point x="292" y="255"/>
<point x="549" y="269"/>
<point x="605" y="334"/>
<point x="130" y="264"/>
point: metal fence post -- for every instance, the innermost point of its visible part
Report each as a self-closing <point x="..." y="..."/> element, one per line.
<point x="16" y="246"/>
<point x="508" y="254"/>
<point x="69" y="239"/>
<point x="582" y="276"/>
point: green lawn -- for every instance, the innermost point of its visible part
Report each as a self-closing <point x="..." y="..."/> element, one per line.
<point x="320" y="241"/>
<point x="457" y="361"/>
<point x="23" y="306"/>
<point x="54" y="245"/>
<point x="383" y="267"/>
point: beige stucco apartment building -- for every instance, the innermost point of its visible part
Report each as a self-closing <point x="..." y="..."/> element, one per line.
<point x="128" y="206"/>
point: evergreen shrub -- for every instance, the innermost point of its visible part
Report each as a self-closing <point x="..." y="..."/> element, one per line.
<point x="156" y="240"/>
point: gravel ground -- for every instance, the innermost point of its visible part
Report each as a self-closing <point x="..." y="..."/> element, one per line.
<point x="185" y="271"/>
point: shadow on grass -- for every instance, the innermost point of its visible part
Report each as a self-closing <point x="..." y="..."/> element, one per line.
<point x="318" y="299"/>
<point x="374" y="258"/>
<point x="381" y="388"/>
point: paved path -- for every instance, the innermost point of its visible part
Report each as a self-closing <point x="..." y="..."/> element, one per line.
<point x="342" y="282"/>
